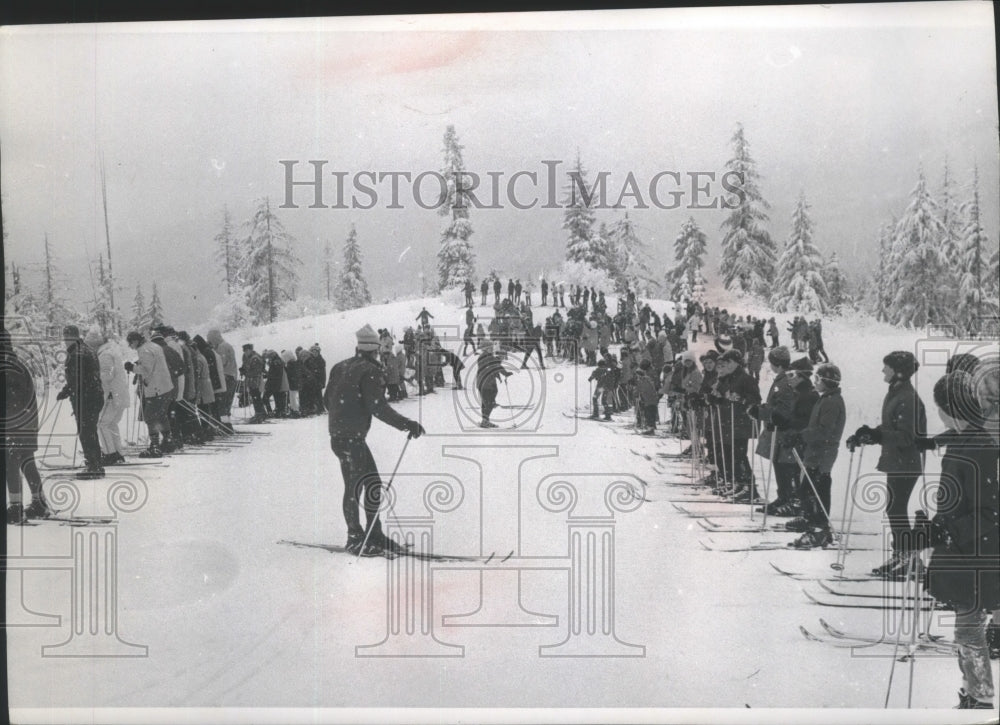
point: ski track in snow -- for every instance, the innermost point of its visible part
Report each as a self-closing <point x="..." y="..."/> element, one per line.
<point x="232" y="618"/>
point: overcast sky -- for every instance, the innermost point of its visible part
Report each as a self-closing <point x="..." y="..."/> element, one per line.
<point x="843" y="103"/>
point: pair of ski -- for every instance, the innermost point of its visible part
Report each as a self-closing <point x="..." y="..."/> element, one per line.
<point x="712" y="545"/>
<point x="127" y="464"/>
<point x="69" y="521"/>
<point x="427" y="556"/>
<point x="836" y="578"/>
<point x="709" y="525"/>
<point x="926" y="643"/>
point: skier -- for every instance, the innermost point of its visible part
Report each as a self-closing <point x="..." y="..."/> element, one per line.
<point x="230" y="370"/>
<point x="489" y="371"/>
<point x="172" y="437"/>
<point x="253" y="371"/>
<point x="19" y="427"/>
<point x="468" y="339"/>
<point x="545" y="293"/>
<point x="822" y="439"/>
<point x="293" y="371"/>
<point x="153" y="380"/>
<point x="775" y="414"/>
<point x="497" y="288"/>
<point x="600" y="378"/>
<point x="902" y="430"/>
<point x="533" y="343"/>
<point x="469" y="291"/>
<point x="755" y="359"/>
<point x="562" y="295"/>
<point x="517" y="292"/>
<point x="453" y="361"/>
<point x="354" y="393"/>
<point x="790" y="442"/>
<point x="83" y="388"/>
<point x="510" y="289"/>
<point x="648" y="399"/>
<point x="772" y="332"/>
<point x="736" y="392"/>
<point x="965" y="535"/>
<point x="484" y="289"/>
<point x="424" y="316"/>
<point x="114" y="383"/>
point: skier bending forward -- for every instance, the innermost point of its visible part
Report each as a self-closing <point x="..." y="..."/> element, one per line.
<point x="354" y="393"/>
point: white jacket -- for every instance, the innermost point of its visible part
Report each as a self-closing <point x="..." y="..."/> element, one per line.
<point x="114" y="379"/>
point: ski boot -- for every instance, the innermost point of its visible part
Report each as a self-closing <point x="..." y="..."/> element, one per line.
<point x="39" y="509"/>
<point x="152" y="452"/>
<point x="889" y="565"/>
<point x="15" y="514"/>
<point x="112" y="459"/>
<point x="746" y="493"/>
<point x="813" y="539"/>
<point x="968" y="702"/>
<point x="91" y="472"/>
<point x="487" y="424"/>
<point x="770" y="508"/>
<point x="790" y="508"/>
<point x="391" y="545"/>
<point x="799" y="524"/>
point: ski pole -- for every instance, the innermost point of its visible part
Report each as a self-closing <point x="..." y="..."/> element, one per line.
<point x="722" y="448"/>
<point x="55" y="417"/>
<point x="732" y="445"/>
<point x="767" y="484"/>
<point x="812" y="485"/>
<point x="899" y="632"/>
<point x="838" y="565"/>
<point x="918" y="602"/>
<point x="847" y="488"/>
<point x="387" y="487"/>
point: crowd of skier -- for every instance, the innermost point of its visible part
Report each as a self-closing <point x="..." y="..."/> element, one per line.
<point x="187" y="386"/>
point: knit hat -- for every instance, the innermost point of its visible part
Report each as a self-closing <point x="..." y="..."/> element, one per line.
<point x="710" y="355"/>
<point x="954" y="395"/>
<point x="964" y="361"/>
<point x="902" y="363"/>
<point x="829" y="373"/>
<point x="724" y="341"/>
<point x="802" y="365"/>
<point x="780" y="357"/>
<point x="71" y="331"/>
<point x="247" y="346"/>
<point x="733" y="356"/>
<point x="134" y="336"/>
<point x="367" y="338"/>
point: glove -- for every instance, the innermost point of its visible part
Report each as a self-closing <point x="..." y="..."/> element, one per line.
<point x="414" y="429"/>
<point x="754" y="411"/>
<point x="63" y="394"/>
<point x="129" y="366"/>
<point x="852" y="443"/>
<point x="925" y="443"/>
<point x="867" y="436"/>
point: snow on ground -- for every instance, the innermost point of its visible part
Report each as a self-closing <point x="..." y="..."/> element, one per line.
<point x="232" y="618"/>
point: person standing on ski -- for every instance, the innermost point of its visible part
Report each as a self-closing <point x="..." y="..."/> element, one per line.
<point x="902" y="430"/>
<point x="497" y="288"/>
<point x="19" y="428"/>
<point x="469" y="291"/>
<point x="354" y="393"/>
<point x="821" y="439"/>
<point x="484" y="289"/>
<point x="775" y="415"/>
<point x="83" y="388"/>
<point x="490" y="369"/>
<point x="545" y="293"/>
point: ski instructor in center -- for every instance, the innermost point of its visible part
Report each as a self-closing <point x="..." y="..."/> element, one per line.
<point x="354" y="393"/>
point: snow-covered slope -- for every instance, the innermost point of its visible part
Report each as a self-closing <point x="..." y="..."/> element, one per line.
<point x="232" y="618"/>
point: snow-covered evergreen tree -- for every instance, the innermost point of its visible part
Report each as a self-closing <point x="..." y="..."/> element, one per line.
<point x="226" y="252"/>
<point x="689" y="253"/>
<point x="582" y="244"/>
<point x="140" y="313"/>
<point x="974" y="297"/>
<point x="836" y="283"/>
<point x="748" y="252"/>
<point x="268" y="268"/>
<point x="155" y="310"/>
<point x="799" y="285"/>
<point x="920" y="278"/>
<point x="456" y="262"/>
<point x="628" y="254"/>
<point x="352" y="289"/>
<point x="879" y="294"/>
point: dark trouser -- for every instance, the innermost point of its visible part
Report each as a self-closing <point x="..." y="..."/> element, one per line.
<point x="258" y="402"/>
<point x="21" y="461"/>
<point x="484" y="299"/>
<point x="360" y="479"/>
<point x="814" y="508"/>
<point x="87" y="414"/>
<point x="736" y="451"/>
<point x="534" y="347"/>
<point x="465" y="345"/>
<point x="489" y="400"/>
<point x="393" y="390"/>
<point x="774" y="341"/>
<point x="786" y="478"/>
<point x="224" y="401"/>
<point x="468" y="299"/>
<point x="650" y="415"/>
<point x="900" y="486"/>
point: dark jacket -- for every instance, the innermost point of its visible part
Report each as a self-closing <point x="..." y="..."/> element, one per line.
<point x="275" y="374"/>
<point x="489" y="369"/>
<point x="903" y="419"/>
<point x="788" y="435"/>
<point x="175" y="362"/>
<point x="83" y="377"/>
<point x="738" y="392"/>
<point x="964" y="570"/>
<point x="822" y="434"/>
<point x="354" y="393"/>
